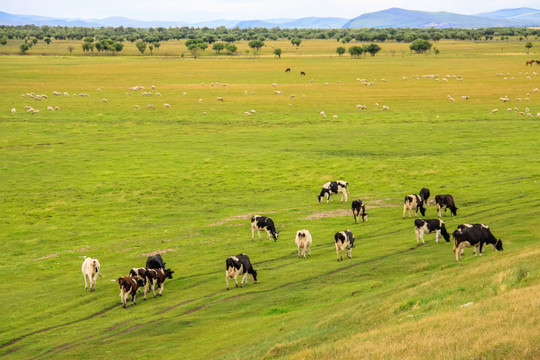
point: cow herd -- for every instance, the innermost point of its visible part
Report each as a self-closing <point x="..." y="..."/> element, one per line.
<point x="466" y="235"/>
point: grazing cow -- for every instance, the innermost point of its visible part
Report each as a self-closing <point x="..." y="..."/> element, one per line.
<point x="466" y="226"/>
<point x="288" y="70"/>
<point x="238" y="265"/>
<point x="303" y="241"/>
<point x="157" y="277"/>
<point x="334" y="187"/>
<point x="413" y="202"/>
<point x="139" y="273"/>
<point x="263" y="223"/>
<point x="128" y="286"/>
<point x="424" y="194"/>
<point x="476" y="235"/>
<point x="444" y="202"/>
<point x="90" y="270"/>
<point x="344" y="241"/>
<point x="302" y="73"/>
<point x="155" y="262"/>
<point x="428" y="226"/>
<point x="359" y="209"/>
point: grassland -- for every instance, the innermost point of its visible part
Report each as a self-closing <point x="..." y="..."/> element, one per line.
<point x="108" y="181"/>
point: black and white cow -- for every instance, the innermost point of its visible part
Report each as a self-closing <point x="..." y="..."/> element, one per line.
<point x="139" y="273"/>
<point x="413" y="202"/>
<point x="428" y="226"/>
<point x="238" y="265"/>
<point x="157" y="277"/>
<point x="476" y="236"/>
<point x="444" y="202"/>
<point x="475" y="249"/>
<point x="424" y="194"/>
<point x="155" y="262"/>
<point x="303" y="242"/>
<point x="128" y="286"/>
<point x="359" y="209"/>
<point x="334" y="187"/>
<point x="263" y="223"/>
<point x="344" y="241"/>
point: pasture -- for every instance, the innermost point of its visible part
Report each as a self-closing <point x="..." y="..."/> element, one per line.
<point x="108" y="181"/>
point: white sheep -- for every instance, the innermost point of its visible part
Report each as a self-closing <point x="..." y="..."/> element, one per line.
<point x="13" y="111"/>
<point x="98" y="89"/>
<point x="105" y="100"/>
<point x="158" y="94"/>
<point x="35" y="111"/>
<point x="50" y="108"/>
<point x="57" y="108"/>
<point x="166" y="106"/>
<point x="253" y="111"/>
<point x="219" y="98"/>
<point x="185" y="93"/>
<point x="335" y="116"/>
<point x="200" y="100"/>
<point x="494" y="111"/>
<point x="277" y="92"/>
<point x="153" y="87"/>
<point x="150" y="106"/>
<point x="361" y="107"/>
<point x="247" y="113"/>
<point x="137" y="107"/>
<point x="274" y="84"/>
<point x="385" y="108"/>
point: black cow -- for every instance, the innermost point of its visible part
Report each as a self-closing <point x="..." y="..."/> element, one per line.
<point x="466" y="226"/>
<point x="428" y="226"/>
<point x="263" y="223"/>
<point x="155" y="262"/>
<point x="157" y="277"/>
<point x="477" y="235"/>
<point x="238" y="265"/>
<point x="288" y="70"/>
<point x="302" y="73"/>
<point x="334" y="187"/>
<point x="359" y="209"/>
<point x="444" y="202"/>
<point x="344" y="241"/>
<point x="424" y="194"/>
<point x="413" y="202"/>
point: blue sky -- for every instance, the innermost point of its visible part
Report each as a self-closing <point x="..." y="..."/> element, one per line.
<point x="204" y="10"/>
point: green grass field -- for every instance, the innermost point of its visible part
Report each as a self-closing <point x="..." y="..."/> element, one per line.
<point x="111" y="182"/>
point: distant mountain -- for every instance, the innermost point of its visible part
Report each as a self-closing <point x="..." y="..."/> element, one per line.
<point x="394" y="17"/>
<point x="303" y="23"/>
<point x="519" y="14"/>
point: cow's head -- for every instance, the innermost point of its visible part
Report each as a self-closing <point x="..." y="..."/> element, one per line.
<point x="498" y="245"/>
<point x="275" y="235"/>
<point x="447" y="237"/>
<point x="254" y="274"/>
<point x="168" y="273"/>
<point x="320" y="198"/>
<point x="140" y="282"/>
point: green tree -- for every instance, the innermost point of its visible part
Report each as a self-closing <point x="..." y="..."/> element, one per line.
<point x="528" y="45"/>
<point x="296" y="42"/>
<point x="24" y="48"/>
<point x="420" y="46"/>
<point x="88" y="46"/>
<point x="277" y="52"/>
<point x="141" y="45"/>
<point x="256" y="44"/>
<point x="372" y="49"/>
<point x="157" y="45"/>
<point x="341" y="50"/>
<point x="355" y="51"/>
<point x="231" y="49"/>
<point x="47" y="40"/>
<point x="151" y="48"/>
<point x="3" y="40"/>
<point x="196" y="46"/>
<point x="217" y="47"/>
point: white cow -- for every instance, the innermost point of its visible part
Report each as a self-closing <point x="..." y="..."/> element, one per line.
<point x="90" y="269"/>
<point x="303" y="241"/>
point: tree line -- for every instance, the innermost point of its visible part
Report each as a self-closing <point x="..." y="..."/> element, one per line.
<point x="210" y="35"/>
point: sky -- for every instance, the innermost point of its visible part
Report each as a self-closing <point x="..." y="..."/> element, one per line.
<point x="204" y="10"/>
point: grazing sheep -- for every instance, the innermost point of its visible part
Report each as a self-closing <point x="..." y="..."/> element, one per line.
<point x="150" y="106"/>
<point x="521" y="113"/>
<point x="35" y="111"/>
<point x="219" y="98"/>
<point x="361" y="107"/>
<point x="29" y="109"/>
<point x="128" y="94"/>
<point x="158" y="94"/>
<point x="322" y="112"/>
<point x="253" y="111"/>
<point x="335" y="116"/>
<point x="247" y="113"/>
<point x="385" y="108"/>
<point x="466" y="97"/>
<point x="451" y="99"/>
<point x="509" y="109"/>
<point x="200" y="100"/>
<point x="185" y="93"/>
<point x="274" y="84"/>
<point x="166" y="106"/>
<point x="57" y="108"/>
<point x="153" y="87"/>
<point x="377" y="104"/>
<point x="105" y="100"/>
<point x="50" y="108"/>
<point x="324" y="116"/>
<point x="277" y="92"/>
<point x="13" y="111"/>
<point x="137" y="107"/>
<point x="494" y="111"/>
<point x="292" y="96"/>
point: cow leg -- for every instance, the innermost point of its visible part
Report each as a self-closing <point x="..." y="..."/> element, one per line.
<point x="133" y="298"/>
<point x="417" y="233"/>
<point x="227" y="279"/>
<point x="244" y="278"/>
<point x="268" y="234"/>
<point x="154" y="287"/>
<point x="438" y="210"/>
<point x="259" y="232"/>
<point x="236" y="279"/>
<point x="94" y="279"/>
<point x="85" y="283"/>
<point x="337" y="252"/>
<point x="437" y="233"/>
<point x="345" y="193"/>
<point x="161" y="288"/>
<point x="252" y="234"/>
<point x="349" y="253"/>
<point x="309" y="251"/>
